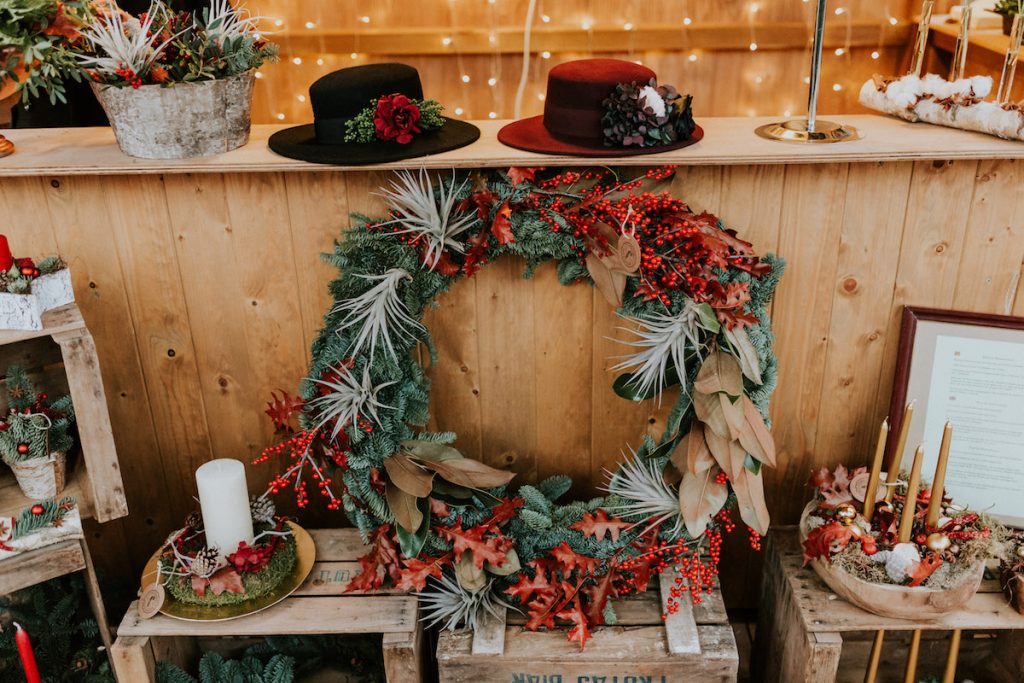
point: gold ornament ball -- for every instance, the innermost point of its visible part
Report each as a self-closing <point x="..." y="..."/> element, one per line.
<point x="937" y="542"/>
<point x="846" y="513"/>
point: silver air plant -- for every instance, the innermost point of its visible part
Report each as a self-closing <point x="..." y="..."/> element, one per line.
<point x="665" y="337"/>
<point x="644" y="494"/>
<point x="348" y="399"/>
<point x="378" y="313"/>
<point x="225" y="21"/>
<point x="431" y="217"/>
<point x="124" y="42"/>
<point x="447" y="603"/>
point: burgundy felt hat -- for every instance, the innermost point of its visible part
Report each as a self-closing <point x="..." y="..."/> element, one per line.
<point x="574" y="111"/>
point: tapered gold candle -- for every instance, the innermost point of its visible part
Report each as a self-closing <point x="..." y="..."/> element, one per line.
<point x="1010" y="61"/>
<point x="962" y="42"/>
<point x="876" y="471"/>
<point x="939" y="480"/>
<point x="871" y="675"/>
<point x="910" y="673"/>
<point x="949" y="674"/>
<point x="897" y="454"/>
<point x="922" y="37"/>
<point x="906" y="529"/>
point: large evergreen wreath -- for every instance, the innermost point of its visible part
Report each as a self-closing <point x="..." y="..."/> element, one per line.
<point x="696" y="297"/>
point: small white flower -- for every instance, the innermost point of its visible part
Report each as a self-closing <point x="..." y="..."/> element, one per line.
<point x="653" y="100"/>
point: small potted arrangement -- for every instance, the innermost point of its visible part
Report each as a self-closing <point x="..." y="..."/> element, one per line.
<point x="35" y="436"/>
<point x="28" y="289"/>
<point x="1011" y="572"/>
<point x="1008" y="9"/>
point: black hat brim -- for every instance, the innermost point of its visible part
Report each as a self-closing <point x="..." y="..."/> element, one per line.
<point x="300" y="143"/>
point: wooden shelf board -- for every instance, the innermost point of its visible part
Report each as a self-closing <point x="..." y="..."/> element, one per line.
<point x="56" y="321"/>
<point x="727" y="141"/>
<point x="824" y="612"/>
<point x="13" y="501"/>
<point x="36" y="566"/>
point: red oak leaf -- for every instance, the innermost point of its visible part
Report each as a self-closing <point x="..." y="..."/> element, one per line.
<point x="282" y="409"/>
<point x="413" y="577"/>
<point x="599" y="593"/>
<point x="501" y="228"/>
<point x="225" y="579"/>
<point x="381" y="561"/>
<point x="541" y="611"/>
<point x="527" y="586"/>
<point x="490" y="549"/>
<point x="482" y="200"/>
<point x="580" y="632"/>
<point x="825" y="540"/>
<point x="570" y="559"/>
<point x="518" y="174"/>
<point x="439" y="508"/>
<point x="446" y="266"/>
<point x="504" y="511"/>
<point x="925" y="568"/>
<point x="599" y="525"/>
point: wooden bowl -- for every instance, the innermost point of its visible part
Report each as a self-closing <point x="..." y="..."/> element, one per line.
<point x="887" y="600"/>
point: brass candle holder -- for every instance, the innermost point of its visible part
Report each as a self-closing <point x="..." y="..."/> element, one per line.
<point x="810" y="129"/>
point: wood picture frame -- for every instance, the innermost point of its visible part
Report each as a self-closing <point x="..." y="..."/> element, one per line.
<point x="915" y="378"/>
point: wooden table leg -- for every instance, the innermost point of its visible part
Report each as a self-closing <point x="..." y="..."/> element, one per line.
<point x="403" y="656"/>
<point x="95" y="596"/>
<point x="132" y="659"/>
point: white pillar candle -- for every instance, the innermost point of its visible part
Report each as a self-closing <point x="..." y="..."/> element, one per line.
<point x="224" y="499"/>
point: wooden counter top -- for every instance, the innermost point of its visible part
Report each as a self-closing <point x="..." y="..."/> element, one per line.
<point x="727" y="141"/>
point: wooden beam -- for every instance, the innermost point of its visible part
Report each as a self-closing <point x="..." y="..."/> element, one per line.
<point x="36" y="566"/>
<point x="712" y="36"/>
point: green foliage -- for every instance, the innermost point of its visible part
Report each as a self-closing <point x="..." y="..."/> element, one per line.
<point x="283" y="659"/>
<point x="1009" y="7"/>
<point x="361" y="129"/>
<point x="27" y="30"/>
<point x="28" y="522"/>
<point x="44" y="425"/>
<point x="65" y="638"/>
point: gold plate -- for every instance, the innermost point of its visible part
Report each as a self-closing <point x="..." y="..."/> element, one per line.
<point x="795" y="130"/>
<point x="305" y="556"/>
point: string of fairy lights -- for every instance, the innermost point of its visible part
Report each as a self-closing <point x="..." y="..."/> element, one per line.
<point x="483" y="73"/>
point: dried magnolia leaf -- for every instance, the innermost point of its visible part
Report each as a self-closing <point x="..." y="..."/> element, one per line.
<point x="430" y="450"/>
<point x="749" y="488"/>
<point x="471" y="473"/>
<point x="721" y="415"/>
<point x="610" y="283"/>
<point x="509" y="566"/>
<point x="755" y="436"/>
<point x="750" y="362"/>
<point x="700" y="499"/>
<point x="737" y="457"/>
<point x="408" y="476"/>
<point x="720" y="449"/>
<point x="692" y="454"/>
<point x="468" y="574"/>
<point x="719" y="373"/>
<point x="403" y="507"/>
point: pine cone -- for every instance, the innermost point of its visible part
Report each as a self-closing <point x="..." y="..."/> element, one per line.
<point x="194" y="520"/>
<point x="205" y="563"/>
<point x="262" y="509"/>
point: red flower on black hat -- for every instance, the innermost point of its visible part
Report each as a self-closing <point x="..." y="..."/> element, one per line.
<point x="396" y="118"/>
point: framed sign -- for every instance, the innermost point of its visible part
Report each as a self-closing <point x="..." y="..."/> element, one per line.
<point x="967" y="368"/>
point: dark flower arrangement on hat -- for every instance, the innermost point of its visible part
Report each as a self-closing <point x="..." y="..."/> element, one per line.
<point x="394" y="117"/>
<point x="646" y="115"/>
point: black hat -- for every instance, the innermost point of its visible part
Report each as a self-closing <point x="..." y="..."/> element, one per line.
<point x="340" y="97"/>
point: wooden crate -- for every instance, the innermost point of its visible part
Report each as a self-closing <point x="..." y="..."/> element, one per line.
<point x="801" y="624"/>
<point x="62" y="357"/>
<point x="695" y="645"/>
<point x="319" y="607"/>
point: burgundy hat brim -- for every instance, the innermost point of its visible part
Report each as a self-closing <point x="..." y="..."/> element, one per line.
<point x="530" y="135"/>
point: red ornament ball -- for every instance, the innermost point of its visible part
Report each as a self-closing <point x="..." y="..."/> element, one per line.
<point x="22" y="448"/>
<point x="37" y="510"/>
<point x="28" y="271"/>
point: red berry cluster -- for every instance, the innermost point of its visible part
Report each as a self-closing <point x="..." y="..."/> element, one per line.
<point x="305" y="448"/>
<point x="128" y="76"/>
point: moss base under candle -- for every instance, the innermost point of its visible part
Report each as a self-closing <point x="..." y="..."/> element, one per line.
<point x="257" y="584"/>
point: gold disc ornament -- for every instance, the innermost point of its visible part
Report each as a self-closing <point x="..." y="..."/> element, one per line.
<point x="859" y="488"/>
<point x="151" y="600"/>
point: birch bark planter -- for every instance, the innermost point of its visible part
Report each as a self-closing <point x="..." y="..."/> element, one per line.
<point x="41" y="478"/>
<point x="918" y="603"/>
<point x="25" y="311"/>
<point x="182" y="121"/>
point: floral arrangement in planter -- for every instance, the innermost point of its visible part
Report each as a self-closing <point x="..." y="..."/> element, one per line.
<point x="869" y="559"/>
<point x="646" y="115"/>
<point x="28" y="289"/>
<point x="35" y="436"/>
<point x="195" y="574"/>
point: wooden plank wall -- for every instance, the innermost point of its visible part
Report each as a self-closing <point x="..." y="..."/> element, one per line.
<point x="708" y="57"/>
<point x="204" y="292"/>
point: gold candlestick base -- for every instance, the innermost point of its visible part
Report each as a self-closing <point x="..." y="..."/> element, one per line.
<point x="795" y="130"/>
<point x="6" y="147"/>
